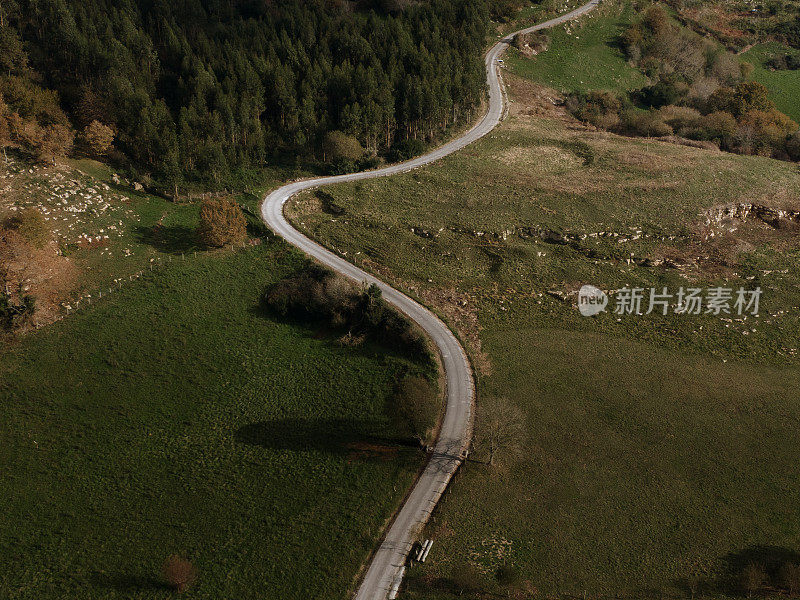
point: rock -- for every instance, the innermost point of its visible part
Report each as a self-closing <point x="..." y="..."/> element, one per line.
<point x="138" y="186"/>
<point x="553" y="237"/>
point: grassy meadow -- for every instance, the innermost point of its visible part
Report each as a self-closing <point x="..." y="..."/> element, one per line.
<point x="783" y="86"/>
<point x="177" y="416"/>
<point x="584" y="55"/>
<point x="659" y="458"/>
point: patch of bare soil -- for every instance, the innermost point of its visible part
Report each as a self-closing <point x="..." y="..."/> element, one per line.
<point x="529" y="99"/>
<point x="726" y="232"/>
<point x="39" y="272"/>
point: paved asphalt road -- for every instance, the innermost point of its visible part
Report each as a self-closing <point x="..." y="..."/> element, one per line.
<point x="456" y="429"/>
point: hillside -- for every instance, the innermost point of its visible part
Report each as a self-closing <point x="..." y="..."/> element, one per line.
<point x="657" y="452"/>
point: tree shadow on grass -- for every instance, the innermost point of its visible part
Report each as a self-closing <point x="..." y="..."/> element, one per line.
<point x="335" y="436"/>
<point x="732" y="580"/>
<point x="129" y="583"/>
<point x="173" y="239"/>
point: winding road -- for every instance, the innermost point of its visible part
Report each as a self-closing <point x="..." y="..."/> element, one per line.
<point x="385" y="568"/>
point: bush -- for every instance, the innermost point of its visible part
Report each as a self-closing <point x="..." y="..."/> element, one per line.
<point x="599" y="108"/>
<point x="793" y="147"/>
<point x="14" y="315"/>
<point x="504" y="10"/>
<point x="338" y="146"/>
<point x="406" y="150"/>
<point x="318" y="295"/>
<point x="764" y="132"/>
<point x="658" y="95"/>
<point x="222" y="222"/>
<point x="790" y="578"/>
<point x="415" y="408"/>
<point x="31" y="225"/>
<point x="684" y="121"/>
<point x="747" y="96"/>
<point x="179" y="573"/>
<point x="98" y="137"/>
<point x="753" y="578"/>
<point x="647" y="124"/>
<point x="719" y="125"/>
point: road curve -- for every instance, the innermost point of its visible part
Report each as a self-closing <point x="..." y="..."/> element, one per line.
<point x="456" y="429"/>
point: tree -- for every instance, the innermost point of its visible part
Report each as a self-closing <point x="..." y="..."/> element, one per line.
<point x="415" y="408"/>
<point x="179" y="573"/>
<point x="747" y="96"/>
<point x="753" y="578"/>
<point x="53" y="141"/>
<point x="12" y="55"/>
<point x="793" y="147"/>
<point x="5" y="127"/>
<point x="790" y="578"/>
<point x="98" y="137"/>
<point x="500" y="430"/>
<point x="337" y="145"/>
<point x="222" y="222"/>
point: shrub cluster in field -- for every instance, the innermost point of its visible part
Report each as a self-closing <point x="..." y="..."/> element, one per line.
<point x="698" y="92"/>
<point x="318" y="295"/>
<point x="222" y="223"/>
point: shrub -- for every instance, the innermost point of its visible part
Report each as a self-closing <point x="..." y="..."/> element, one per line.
<point x="753" y="578"/>
<point x="337" y="146"/>
<point x="407" y="149"/>
<point x="179" y="573"/>
<point x="684" y="121"/>
<point x="14" y="315"/>
<point x="415" y="408"/>
<point x="725" y="67"/>
<point x="764" y="132"/>
<point x="790" y="578"/>
<point x="647" y="124"/>
<point x="747" y="96"/>
<point x="656" y="18"/>
<point x="793" y="147"/>
<point x="600" y="108"/>
<point x="98" y="137"/>
<point x="317" y="294"/>
<point x="31" y="225"/>
<point x="504" y="10"/>
<point x="719" y="126"/>
<point x="777" y="62"/>
<point x="660" y="94"/>
<point x="222" y="222"/>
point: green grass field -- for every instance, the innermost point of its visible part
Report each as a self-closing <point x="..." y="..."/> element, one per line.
<point x="659" y="449"/>
<point x="175" y="416"/>
<point x="783" y="86"/>
<point x="583" y="55"/>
